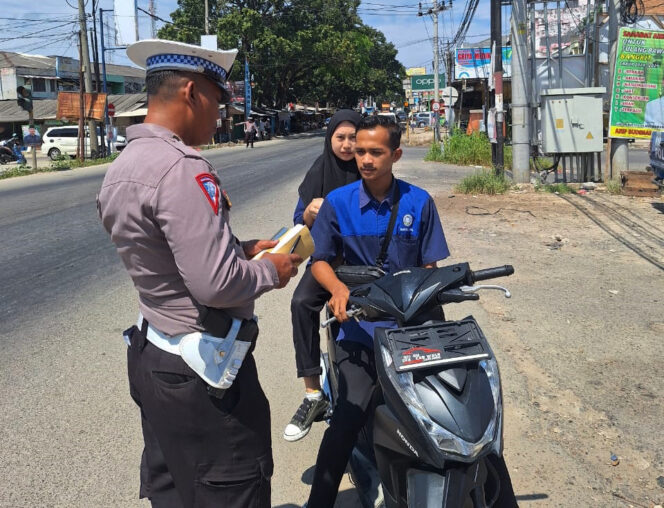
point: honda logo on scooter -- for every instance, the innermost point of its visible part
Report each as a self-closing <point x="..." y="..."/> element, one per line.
<point x="410" y="446"/>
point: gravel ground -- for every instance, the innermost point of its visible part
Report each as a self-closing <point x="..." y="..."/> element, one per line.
<point x="579" y="343"/>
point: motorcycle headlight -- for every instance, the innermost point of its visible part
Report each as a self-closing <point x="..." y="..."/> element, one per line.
<point x="441" y="437"/>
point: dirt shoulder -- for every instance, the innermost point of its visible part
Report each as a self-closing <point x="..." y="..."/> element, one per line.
<point x="579" y="343"/>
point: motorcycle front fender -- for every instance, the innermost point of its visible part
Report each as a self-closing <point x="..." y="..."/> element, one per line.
<point x="452" y="489"/>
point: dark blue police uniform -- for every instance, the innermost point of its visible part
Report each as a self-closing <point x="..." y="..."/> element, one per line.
<point x="354" y="224"/>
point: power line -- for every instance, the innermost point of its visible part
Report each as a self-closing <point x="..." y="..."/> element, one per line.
<point x="37" y="35"/>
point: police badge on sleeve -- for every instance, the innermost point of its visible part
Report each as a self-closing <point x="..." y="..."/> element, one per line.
<point x="210" y="188"/>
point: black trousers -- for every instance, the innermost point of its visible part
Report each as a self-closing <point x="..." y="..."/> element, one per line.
<point x="249" y="138"/>
<point x="308" y="299"/>
<point x="357" y="383"/>
<point x="200" y="451"/>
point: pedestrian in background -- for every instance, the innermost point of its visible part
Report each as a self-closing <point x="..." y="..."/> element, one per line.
<point x="161" y="203"/>
<point x="250" y="131"/>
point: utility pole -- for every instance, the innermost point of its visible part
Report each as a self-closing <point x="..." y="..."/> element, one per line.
<point x="92" y="125"/>
<point x="618" y="148"/>
<point x="497" y="47"/>
<point x="153" y="19"/>
<point x="436" y="85"/>
<point x="520" y="94"/>
<point x="436" y="56"/>
<point x="95" y="47"/>
<point x="81" y="100"/>
<point x="207" y="19"/>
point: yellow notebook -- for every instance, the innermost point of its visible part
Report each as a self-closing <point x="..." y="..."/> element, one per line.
<point x="298" y="236"/>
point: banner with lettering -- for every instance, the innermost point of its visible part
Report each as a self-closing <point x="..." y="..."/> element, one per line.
<point x="637" y="102"/>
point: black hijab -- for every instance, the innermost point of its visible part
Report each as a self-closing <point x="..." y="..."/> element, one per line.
<point x="329" y="172"/>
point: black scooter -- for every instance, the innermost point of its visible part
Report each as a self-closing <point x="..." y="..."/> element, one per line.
<point x="436" y="434"/>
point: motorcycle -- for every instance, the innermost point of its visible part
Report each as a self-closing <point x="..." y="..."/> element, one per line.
<point x="436" y="434"/>
<point x="10" y="150"/>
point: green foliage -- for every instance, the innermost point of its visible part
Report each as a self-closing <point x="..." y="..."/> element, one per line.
<point x="63" y="163"/>
<point x="613" y="186"/>
<point x="307" y="50"/>
<point x="485" y="182"/>
<point x="435" y="153"/>
<point x="560" y="188"/>
<point x="17" y="171"/>
<point x="473" y="150"/>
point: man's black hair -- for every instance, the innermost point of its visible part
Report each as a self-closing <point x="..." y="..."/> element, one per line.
<point x="155" y="81"/>
<point x="393" y="129"/>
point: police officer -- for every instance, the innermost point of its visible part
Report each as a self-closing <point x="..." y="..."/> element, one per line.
<point x="162" y="205"/>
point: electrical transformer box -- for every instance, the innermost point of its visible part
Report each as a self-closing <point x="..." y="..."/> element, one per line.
<point x="572" y="120"/>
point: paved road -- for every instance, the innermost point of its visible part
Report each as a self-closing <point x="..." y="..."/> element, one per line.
<point x="71" y="434"/>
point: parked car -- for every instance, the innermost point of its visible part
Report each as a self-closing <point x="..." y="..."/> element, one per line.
<point x="389" y="115"/>
<point x="424" y="119"/>
<point x="59" y="141"/>
<point x="394" y="117"/>
<point x="402" y="116"/>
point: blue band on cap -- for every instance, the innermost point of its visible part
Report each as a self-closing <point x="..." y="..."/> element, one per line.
<point x="186" y="63"/>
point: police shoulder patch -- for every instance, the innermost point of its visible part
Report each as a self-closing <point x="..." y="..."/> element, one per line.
<point x="210" y="188"/>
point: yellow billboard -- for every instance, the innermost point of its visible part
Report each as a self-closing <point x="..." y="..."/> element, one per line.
<point x="415" y="71"/>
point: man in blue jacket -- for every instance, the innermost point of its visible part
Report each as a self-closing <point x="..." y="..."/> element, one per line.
<point x="352" y="225"/>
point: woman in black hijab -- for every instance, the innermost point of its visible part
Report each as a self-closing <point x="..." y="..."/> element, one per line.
<point x="335" y="168"/>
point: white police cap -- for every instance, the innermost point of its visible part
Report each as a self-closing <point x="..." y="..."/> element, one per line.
<point x="160" y="55"/>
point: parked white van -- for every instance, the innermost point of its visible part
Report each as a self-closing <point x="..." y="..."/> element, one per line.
<point x="59" y="141"/>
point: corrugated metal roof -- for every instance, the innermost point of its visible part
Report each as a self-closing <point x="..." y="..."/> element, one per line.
<point x="47" y="63"/>
<point x="45" y="109"/>
<point x="42" y="109"/>
<point x="9" y="59"/>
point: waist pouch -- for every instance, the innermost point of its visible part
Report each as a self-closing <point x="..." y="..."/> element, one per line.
<point x="355" y="275"/>
<point x="216" y="355"/>
<point x="218" y="323"/>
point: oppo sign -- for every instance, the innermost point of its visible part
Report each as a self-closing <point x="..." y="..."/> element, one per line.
<point x="426" y="82"/>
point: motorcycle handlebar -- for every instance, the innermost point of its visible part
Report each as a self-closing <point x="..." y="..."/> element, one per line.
<point x="492" y="273"/>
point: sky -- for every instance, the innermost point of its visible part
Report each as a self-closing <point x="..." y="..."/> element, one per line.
<point x="52" y="29"/>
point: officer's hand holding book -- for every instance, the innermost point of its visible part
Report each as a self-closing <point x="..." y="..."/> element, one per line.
<point x="295" y="243"/>
<point x="253" y="247"/>
<point x="286" y="265"/>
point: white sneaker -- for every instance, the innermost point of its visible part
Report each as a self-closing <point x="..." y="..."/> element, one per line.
<point x="309" y="411"/>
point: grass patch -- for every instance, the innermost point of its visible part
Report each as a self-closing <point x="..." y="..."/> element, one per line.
<point x="464" y="150"/>
<point x="62" y="164"/>
<point x="485" y="182"/>
<point x="65" y="162"/>
<point x="560" y="188"/>
<point x="435" y="153"/>
<point x="22" y="171"/>
<point x="613" y="186"/>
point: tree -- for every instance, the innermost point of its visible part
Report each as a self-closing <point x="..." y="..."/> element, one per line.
<point x="309" y="50"/>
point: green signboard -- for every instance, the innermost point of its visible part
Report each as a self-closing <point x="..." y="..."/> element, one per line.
<point x="425" y="82"/>
<point x="637" y="105"/>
